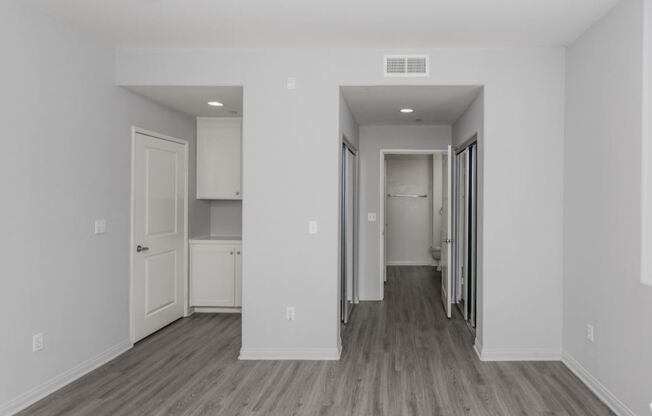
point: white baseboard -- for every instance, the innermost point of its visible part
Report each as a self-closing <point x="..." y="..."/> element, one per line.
<point x="607" y="397"/>
<point x="409" y="263"/>
<point x="517" y="354"/>
<point x="37" y="393"/>
<point x="310" y="354"/>
<point x="477" y="347"/>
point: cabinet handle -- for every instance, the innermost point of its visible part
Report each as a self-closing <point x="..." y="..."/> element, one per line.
<point x="231" y="253"/>
<point x="238" y="253"/>
<point x="237" y="193"/>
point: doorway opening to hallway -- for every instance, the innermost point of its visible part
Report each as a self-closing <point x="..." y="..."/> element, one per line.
<point x="419" y="195"/>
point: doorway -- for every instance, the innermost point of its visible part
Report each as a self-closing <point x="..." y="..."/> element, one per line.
<point x="348" y="214"/>
<point x="392" y="124"/>
<point x="159" y="232"/>
<point x="414" y="216"/>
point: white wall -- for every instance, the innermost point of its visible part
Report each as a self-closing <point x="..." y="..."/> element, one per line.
<point x="372" y="140"/>
<point x="602" y="210"/>
<point x="65" y="162"/>
<point x="409" y="232"/>
<point x="291" y="138"/>
<point x="348" y="124"/>
<point x="437" y="198"/>
<point x="469" y="124"/>
<point x="226" y="218"/>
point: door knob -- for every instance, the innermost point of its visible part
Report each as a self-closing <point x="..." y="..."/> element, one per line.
<point x="141" y="248"/>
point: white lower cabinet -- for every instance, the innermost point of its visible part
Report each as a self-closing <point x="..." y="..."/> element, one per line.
<point x="215" y="273"/>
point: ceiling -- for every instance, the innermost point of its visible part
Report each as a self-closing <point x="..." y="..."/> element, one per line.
<point x="332" y="23"/>
<point x="437" y="105"/>
<point x="193" y="100"/>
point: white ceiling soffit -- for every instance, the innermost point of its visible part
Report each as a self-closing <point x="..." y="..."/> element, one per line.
<point x="435" y="105"/>
<point x="333" y="23"/>
<point x="194" y="100"/>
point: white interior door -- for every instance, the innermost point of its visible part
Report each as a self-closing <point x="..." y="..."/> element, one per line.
<point x="447" y="233"/>
<point x="158" y="234"/>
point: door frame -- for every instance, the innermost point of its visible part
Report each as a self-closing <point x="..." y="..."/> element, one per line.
<point x="381" y="216"/>
<point x="132" y="244"/>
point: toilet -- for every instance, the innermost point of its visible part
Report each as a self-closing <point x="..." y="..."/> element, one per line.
<point x="435" y="252"/>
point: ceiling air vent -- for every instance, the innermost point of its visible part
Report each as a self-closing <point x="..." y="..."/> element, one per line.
<point x="406" y="65"/>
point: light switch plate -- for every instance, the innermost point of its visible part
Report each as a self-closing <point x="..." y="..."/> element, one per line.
<point x="100" y="226"/>
<point x="37" y="342"/>
<point x="312" y="227"/>
<point x="292" y="83"/>
<point x="371" y="217"/>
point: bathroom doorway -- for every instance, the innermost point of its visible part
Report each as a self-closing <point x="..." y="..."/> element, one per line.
<point x="413" y="212"/>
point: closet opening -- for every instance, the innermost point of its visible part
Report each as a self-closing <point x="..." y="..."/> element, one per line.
<point x="349" y="233"/>
<point x="465" y="231"/>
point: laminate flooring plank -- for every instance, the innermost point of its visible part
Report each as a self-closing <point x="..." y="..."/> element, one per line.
<point x="401" y="357"/>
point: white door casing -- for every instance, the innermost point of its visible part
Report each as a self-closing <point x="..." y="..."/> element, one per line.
<point x="159" y="234"/>
<point x="447" y="233"/>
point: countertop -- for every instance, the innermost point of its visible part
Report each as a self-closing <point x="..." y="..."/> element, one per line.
<point x="216" y="238"/>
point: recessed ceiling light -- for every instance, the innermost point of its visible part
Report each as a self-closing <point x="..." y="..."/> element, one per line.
<point x="215" y="104"/>
<point x="407" y="110"/>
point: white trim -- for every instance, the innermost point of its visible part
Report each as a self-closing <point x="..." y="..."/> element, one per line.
<point x="381" y="210"/>
<point x="606" y="396"/>
<point x="37" y="393"/>
<point x="132" y="245"/>
<point x="409" y="263"/>
<point x="309" y="354"/>
<point x="517" y="354"/>
<point x="646" y="155"/>
<point x="477" y="347"/>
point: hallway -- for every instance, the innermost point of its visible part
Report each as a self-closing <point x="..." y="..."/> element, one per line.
<point x="401" y="357"/>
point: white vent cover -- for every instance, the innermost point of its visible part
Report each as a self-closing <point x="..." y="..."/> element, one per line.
<point x="406" y="65"/>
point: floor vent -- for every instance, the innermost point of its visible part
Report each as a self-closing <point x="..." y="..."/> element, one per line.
<point x="406" y="65"/>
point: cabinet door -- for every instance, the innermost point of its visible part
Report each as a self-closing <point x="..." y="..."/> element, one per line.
<point x="212" y="271"/>
<point x="238" y="276"/>
<point x="219" y="153"/>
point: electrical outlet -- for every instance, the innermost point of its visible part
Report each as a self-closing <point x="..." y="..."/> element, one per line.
<point x="289" y="313"/>
<point x="312" y="227"/>
<point x="371" y="216"/>
<point x="590" y="333"/>
<point x="292" y="83"/>
<point x="37" y="342"/>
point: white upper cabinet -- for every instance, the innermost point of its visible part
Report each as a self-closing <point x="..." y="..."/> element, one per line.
<point x="219" y="158"/>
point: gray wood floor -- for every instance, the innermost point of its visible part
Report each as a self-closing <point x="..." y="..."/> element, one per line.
<point x="401" y="357"/>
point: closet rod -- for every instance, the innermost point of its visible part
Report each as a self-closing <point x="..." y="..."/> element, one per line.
<point x="406" y="196"/>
